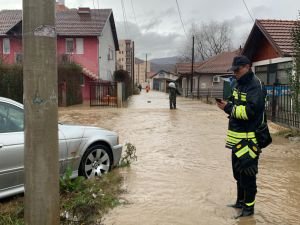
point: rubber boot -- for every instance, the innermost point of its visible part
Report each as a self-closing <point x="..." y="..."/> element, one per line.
<point x="247" y="211"/>
<point x="239" y="204"/>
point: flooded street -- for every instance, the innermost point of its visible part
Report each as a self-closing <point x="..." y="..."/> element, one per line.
<point x="183" y="174"/>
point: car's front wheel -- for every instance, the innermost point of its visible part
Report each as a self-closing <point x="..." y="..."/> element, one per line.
<point x="95" y="161"/>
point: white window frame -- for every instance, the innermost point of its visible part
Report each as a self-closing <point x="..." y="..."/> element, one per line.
<point x="6" y="49"/>
<point x="67" y="40"/>
<point x="110" y="54"/>
<point x="79" y="46"/>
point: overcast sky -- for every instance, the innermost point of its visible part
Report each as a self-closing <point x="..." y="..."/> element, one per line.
<point x="156" y="26"/>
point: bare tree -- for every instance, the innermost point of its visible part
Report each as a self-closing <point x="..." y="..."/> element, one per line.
<point x="211" y="39"/>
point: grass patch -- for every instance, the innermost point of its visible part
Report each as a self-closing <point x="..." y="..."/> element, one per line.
<point x="288" y="133"/>
<point x="82" y="201"/>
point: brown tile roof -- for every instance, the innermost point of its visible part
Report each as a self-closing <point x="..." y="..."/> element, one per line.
<point x="71" y="23"/>
<point x="68" y="22"/>
<point x="186" y="68"/>
<point x="218" y="64"/>
<point x="8" y="19"/>
<point x="280" y="33"/>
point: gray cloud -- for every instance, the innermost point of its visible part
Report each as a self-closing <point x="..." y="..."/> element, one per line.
<point x="153" y="23"/>
<point x="159" y="30"/>
<point x="153" y="43"/>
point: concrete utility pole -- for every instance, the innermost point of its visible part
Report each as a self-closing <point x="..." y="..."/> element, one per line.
<point x="146" y="68"/>
<point x="138" y="74"/>
<point x="132" y="66"/>
<point x="40" y="102"/>
<point x="193" y="56"/>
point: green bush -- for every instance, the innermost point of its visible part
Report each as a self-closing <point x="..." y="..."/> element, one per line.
<point x="71" y="185"/>
<point x="123" y="76"/>
<point x="71" y="73"/>
<point x="11" y="82"/>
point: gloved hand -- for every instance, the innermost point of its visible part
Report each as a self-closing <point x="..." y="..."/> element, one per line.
<point x="247" y="162"/>
<point x="251" y="170"/>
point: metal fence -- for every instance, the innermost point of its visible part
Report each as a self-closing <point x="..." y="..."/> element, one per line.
<point x="280" y="106"/>
<point x="202" y="93"/>
<point x="103" y="94"/>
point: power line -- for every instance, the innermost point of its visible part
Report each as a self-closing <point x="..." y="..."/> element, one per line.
<point x="125" y="17"/>
<point x="248" y="10"/>
<point x="179" y="12"/>
<point x="133" y="12"/>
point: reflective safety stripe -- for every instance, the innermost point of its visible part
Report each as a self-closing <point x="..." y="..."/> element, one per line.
<point x="236" y="95"/>
<point x="250" y="204"/>
<point x="241" y="135"/>
<point x="237" y="140"/>
<point x="235" y="137"/>
<point x="239" y="112"/>
<point x="233" y="141"/>
<point x="252" y="154"/>
<point x="242" y="152"/>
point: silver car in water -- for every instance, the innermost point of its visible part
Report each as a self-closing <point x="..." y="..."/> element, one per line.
<point x="89" y="151"/>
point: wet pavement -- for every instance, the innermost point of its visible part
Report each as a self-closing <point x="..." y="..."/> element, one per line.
<point x="183" y="173"/>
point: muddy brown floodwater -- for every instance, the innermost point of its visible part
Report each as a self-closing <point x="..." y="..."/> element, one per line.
<point x="183" y="173"/>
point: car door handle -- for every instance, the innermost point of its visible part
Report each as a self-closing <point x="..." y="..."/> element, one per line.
<point x="1" y="145"/>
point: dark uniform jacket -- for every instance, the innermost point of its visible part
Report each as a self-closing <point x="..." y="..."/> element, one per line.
<point x="173" y="92"/>
<point x="246" y="109"/>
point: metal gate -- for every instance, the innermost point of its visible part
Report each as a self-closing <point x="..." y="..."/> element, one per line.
<point x="103" y="94"/>
<point x="280" y="106"/>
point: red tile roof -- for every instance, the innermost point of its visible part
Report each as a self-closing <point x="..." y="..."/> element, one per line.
<point x="280" y="32"/>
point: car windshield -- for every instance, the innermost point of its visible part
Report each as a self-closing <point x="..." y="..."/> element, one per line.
<point x="11" y="118"/>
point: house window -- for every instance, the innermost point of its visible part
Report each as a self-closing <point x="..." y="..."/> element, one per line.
<point x="69" y="45"/>
<point x="262" y="73"/>
<point x="6" y="46"/>
<point x="79" y="46"/>
<point x="110" y="55"/>
<point x="283" y="72"/>
<point x="19" y="58"/>
<point x="279" y="73"/>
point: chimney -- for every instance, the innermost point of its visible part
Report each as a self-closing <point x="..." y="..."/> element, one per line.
<point x="84" y="10"/>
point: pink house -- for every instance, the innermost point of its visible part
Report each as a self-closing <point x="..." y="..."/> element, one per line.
<point x="85" y="36"/>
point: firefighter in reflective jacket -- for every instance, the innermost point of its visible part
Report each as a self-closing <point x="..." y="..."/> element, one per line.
<point x="246" y="112"/>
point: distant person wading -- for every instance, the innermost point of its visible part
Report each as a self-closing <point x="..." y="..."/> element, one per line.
<point x="173" y="92"/>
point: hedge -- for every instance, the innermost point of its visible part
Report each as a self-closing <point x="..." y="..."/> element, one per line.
<point x="11" y="82"/>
